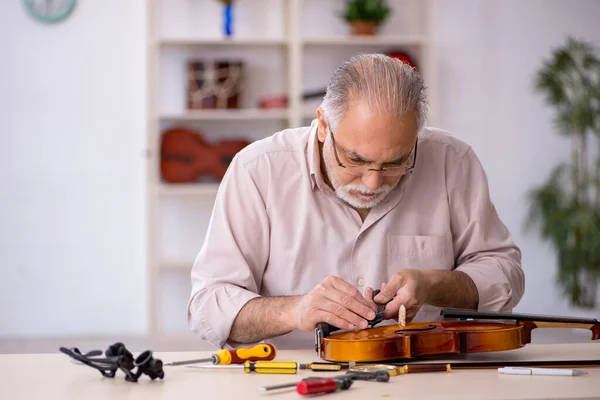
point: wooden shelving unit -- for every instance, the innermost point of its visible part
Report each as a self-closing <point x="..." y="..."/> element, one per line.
<point x="404" y="41"/>
<point x="223" y="115"/>
<point x="292" y="46"/>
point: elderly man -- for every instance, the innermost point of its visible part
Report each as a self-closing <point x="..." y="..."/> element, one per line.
<point x="309" y="221"/>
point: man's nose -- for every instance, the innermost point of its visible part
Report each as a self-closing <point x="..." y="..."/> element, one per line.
<point x="372" y="180"/>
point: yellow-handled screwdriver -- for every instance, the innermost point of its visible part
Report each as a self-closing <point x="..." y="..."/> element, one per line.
<point x="276" y="367"/>
<point x="263" y="351"/>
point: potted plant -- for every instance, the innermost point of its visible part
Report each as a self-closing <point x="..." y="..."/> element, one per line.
<point x="365" y="16"/>
<point x="567" y="206"/>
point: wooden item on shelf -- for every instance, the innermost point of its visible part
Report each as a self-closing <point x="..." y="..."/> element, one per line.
<point x="187" y="158"/>
<point x="215" y="84"/>
<point x="484" y="332"/>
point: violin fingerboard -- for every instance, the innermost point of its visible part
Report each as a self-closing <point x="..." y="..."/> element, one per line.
<point x="458" y="313"/>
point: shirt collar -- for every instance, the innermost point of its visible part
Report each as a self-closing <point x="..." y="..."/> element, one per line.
<point x="314" y="157"/>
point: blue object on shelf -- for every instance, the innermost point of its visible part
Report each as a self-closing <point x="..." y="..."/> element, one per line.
<point x="228" y="18"/>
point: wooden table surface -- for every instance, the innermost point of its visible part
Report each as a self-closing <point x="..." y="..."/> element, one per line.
<point x="55" y="376"/>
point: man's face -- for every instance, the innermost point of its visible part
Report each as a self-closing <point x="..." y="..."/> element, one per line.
<point x="365" y="140"/>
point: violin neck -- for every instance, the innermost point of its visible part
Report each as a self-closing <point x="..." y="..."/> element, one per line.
<point x="457" y="313"/>
<point x="533" y="320"/>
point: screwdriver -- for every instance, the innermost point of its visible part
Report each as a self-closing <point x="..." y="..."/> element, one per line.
<point x="322" y="385"/>
<point x="260" y="367"/>
<point x="263" y="351"/>
<point x="379" y="376"/>
<point x="277" y="367"/>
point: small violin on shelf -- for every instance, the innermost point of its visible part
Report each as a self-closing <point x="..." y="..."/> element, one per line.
<point x="482" y="332"/>
<point x="185" y="157"/>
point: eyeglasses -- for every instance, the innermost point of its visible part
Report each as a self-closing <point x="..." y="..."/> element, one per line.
<point x="363" y="170"/>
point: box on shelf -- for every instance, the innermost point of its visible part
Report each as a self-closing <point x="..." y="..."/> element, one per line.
<point x="214" y="84"/>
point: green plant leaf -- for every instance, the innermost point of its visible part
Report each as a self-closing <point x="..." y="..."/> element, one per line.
<point x="367" y="10"/>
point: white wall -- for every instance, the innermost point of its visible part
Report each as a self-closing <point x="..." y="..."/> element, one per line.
<point x="72" y="109"/>
<point x="72" y="101"/>
<point x="488" y="52"/>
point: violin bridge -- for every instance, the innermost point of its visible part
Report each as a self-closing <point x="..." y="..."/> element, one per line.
<point x="402" y="315"/>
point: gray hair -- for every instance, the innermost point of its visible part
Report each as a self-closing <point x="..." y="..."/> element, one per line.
<point x="386" y="84"/>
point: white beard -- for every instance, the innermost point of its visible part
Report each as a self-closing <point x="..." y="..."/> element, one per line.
<point x="345" y="192"/>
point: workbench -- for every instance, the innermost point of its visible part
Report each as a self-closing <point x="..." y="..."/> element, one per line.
<point x="57" y="376"/>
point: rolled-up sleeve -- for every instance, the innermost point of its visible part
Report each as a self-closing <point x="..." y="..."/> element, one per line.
<point x="483" y="245"/>
<point x="229" y="266"/>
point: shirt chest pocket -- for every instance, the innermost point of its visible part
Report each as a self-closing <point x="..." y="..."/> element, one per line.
<point x="420" y="251"/>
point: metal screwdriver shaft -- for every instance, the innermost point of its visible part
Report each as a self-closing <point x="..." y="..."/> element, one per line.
<point x="213" y="359"/>
<point x="262" y="352"/>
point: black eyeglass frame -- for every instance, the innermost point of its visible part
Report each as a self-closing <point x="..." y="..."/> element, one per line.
<point x="406" y="167"/>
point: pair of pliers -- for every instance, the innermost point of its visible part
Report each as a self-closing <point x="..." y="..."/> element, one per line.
<point x="379" y="313"/>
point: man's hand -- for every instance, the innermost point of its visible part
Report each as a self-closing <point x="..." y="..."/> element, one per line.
<point x="335" y="302"/>
<point x="439" y="288"/>
<point x="408" y="287"/>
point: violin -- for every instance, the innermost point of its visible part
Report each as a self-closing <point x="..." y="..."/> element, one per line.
<point x="474" y="332"/>
<point x="186" y="156"/>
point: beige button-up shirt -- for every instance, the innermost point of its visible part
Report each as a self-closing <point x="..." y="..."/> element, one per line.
<point x="277" y="230"/>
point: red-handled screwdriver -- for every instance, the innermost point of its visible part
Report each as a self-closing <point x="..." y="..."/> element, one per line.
<point x="260" y="352"/>
<point x="322" y="385"/>
<point x="379" y="376"/>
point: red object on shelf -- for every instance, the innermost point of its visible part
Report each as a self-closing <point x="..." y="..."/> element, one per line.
<point x="274" y="101"/>
<point x="402" y="57"/>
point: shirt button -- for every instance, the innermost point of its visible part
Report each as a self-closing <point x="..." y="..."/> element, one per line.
<point x="361" y="282"/>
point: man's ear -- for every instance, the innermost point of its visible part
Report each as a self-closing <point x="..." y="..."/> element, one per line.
<point x="321" y="126"/>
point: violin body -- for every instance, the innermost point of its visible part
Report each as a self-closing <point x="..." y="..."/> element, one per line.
<point x="186" y="157"/>
<point x="440" y="338"/>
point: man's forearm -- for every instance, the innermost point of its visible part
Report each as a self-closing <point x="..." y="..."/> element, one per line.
<point x="453" y="289"/>
<point x="262" y="318"/>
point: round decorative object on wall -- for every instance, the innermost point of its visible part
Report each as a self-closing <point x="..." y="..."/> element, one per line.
<point x="49" y="11"/>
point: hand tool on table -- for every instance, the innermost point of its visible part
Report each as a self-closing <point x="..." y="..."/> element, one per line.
<point x="394" y="370"/>
<point x="322" y="385"/>
<point x="379" y="376"/>
<point x="263" y="352"/>
<point x="379" y="313"/>
<point x="277" y="367"/>
<point x="381" y="309"/>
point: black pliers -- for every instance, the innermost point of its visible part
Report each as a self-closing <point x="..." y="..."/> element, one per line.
<point x="379" y="313"/>
<point x="324" y="329"/>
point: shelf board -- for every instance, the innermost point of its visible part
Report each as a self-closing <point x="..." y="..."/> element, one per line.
<point x="364" y="40"/>
<point x="175" y="42"/>
<point x="188" y="189"/>
<point x="234" y="114"/>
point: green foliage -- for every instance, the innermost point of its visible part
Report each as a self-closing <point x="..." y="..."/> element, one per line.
<point x="566" y="208"/>
<point x="367" y="10"/>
